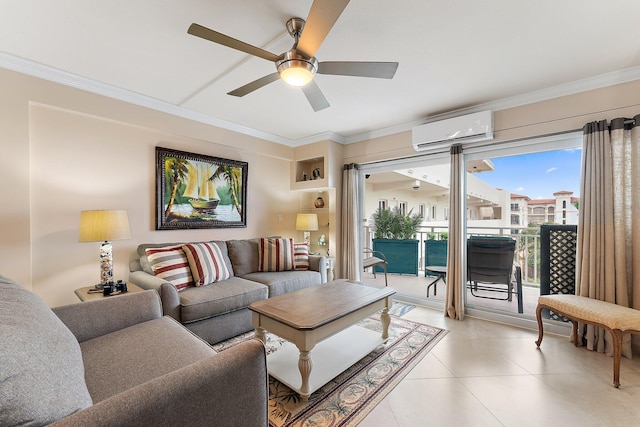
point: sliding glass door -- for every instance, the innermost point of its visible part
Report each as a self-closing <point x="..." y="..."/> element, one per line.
<point x="418" y="190"/>
<point x="512" y="191"/>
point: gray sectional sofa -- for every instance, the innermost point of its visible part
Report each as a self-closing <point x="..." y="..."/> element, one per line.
<point x="118" y="361"/>
<point x="219" y="311"/>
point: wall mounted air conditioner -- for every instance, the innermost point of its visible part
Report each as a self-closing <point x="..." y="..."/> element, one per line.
<point x="462" y="129"/>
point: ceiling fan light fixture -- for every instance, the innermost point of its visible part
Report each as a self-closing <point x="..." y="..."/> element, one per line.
<point x="296" y="76"/>
<point x="296" y="69"/>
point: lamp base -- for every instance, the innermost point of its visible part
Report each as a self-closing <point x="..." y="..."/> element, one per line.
<point x="106" y="264"/>
<point x="307" y="237"/>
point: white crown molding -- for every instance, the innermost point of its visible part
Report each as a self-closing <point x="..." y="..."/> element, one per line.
<point x="38" y="70"/>
<point x="324" y="136"/>
<point x="45" y="72"/>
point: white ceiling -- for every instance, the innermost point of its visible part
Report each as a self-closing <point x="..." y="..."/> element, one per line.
<point x="453" y="54"/>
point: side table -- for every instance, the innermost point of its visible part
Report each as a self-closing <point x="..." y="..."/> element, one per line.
<point x="84" y="295"/>
<point x="441" y="274"/>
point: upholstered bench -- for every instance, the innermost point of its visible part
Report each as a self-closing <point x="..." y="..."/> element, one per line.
<point x="619" y="320"/>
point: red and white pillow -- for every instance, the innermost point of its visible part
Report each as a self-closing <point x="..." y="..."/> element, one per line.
<point x="207" y="263"/>
<point x="301" y="256"/>
<point x="171" y="264"/>
<point x="275" y="254"/>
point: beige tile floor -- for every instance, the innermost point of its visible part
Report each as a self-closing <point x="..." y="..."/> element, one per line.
<point x="489" y="374"/>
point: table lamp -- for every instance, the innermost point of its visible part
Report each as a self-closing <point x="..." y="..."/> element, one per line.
<point x="104" y="226"/>
<point x="307" y="223"/>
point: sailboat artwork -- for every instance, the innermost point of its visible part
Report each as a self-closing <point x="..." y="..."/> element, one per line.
<point x="201" y="189"/>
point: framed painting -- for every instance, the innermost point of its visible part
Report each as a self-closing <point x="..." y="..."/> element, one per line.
<point x="199" y="191"/>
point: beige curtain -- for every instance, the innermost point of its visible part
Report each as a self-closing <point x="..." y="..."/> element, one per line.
<point x="351" y="250"/>
<point x="608" y="245"/>
<point x="454" y="303"/>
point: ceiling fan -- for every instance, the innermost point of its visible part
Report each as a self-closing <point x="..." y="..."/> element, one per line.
<point x="298" y="65"/>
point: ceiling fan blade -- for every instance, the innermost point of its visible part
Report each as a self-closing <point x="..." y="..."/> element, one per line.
<point x="315" y="97"/>
<point x="381" y="70"/>
<point x="254" y="85"/>
<point x="322" y="16"/>
<point x="216" y="37"/>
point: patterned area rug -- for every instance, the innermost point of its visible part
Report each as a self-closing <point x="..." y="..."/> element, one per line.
<point x="349" y="397"/>
<point x="399" y="309"/>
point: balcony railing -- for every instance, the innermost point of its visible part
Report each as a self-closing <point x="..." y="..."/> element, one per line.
<point x="527" y="254"/>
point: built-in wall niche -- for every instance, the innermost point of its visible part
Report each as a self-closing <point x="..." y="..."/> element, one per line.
<point x="309" y="173"/>
<point x="321" y="203"/>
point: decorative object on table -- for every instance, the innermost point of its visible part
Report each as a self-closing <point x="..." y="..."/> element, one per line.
<point x="352" y="395"/>
<point x="199" y="191"/>
<point x="316" y="173"/>
<point x="319" y="202"/>
<point x="104" y="226"/>
<point x="322" y="240"/>
<point x="307" y="223"/>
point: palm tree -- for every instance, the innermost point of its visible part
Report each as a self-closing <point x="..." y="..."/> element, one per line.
<point x="175" y="171"/>
<point x="233" y="177"/>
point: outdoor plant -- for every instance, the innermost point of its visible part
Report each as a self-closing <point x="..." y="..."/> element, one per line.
<point x="433" y="236"/>
<point x="392" y="224"/>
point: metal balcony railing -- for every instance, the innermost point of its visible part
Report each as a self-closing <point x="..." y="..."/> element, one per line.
<point x="527" y="254"/>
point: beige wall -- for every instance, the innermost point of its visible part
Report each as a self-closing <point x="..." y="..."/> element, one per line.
<point x="541" y="118"/>
<point x="66" y="150"/>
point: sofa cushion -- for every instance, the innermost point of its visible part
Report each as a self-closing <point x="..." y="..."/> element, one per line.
<point x="131" y="356"/>
<point x="275" y="254"/>
<point x="171" y="264"/>
<point x="146" y="266"/>
<point x="224" y="297"/>
<point x="285" y="281"/>
<point x="41" y="369"/>
<point x="243" y="255"/>
<point x="206" y="262"/>
<point x="301" y="256"/>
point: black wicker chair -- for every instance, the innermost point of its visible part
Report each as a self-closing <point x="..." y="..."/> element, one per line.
<point x="490" y="268"/>
<point x="375" y="258"/>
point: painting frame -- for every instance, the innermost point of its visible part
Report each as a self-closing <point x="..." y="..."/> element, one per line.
<point x="196" y="191"/>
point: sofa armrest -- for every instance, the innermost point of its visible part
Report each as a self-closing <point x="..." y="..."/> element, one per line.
<point x="170" y="301"/>
<point x="92" y="319"/>
<point x="146" y="280"/>
<point x="226" y="389"/>
<point x="319" y="263"/>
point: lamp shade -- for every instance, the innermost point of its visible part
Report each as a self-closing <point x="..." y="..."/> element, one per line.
<point x="104" y="225"/>
<point x="307" y="222"/>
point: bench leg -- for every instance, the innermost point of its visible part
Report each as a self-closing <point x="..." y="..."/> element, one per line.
<point x="617" y="353"/>
<point x="540" y="329"/>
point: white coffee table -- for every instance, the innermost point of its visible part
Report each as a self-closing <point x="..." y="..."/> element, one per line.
<point x="323" y="319"/>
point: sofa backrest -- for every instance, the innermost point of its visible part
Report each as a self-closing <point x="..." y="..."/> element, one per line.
<point x="244" y="256"/>
<point x="41" y="368"/>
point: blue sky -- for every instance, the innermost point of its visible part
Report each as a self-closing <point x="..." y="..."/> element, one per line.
<point x="537" y="175"/>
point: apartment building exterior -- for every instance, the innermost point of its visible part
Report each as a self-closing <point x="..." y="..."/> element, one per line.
<point x="562" y="209"/>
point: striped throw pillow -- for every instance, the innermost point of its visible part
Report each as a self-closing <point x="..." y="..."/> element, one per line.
<point x="171" y="264"/>
<point x="301" y="256"/>
<point x="275" y="254"/>
<point x="206" y="262"/>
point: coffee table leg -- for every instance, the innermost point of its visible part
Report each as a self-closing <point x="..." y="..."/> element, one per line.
<point x="305" y="365"/>
<point x="386" y="320"/>
<point x="260" y="335"/>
